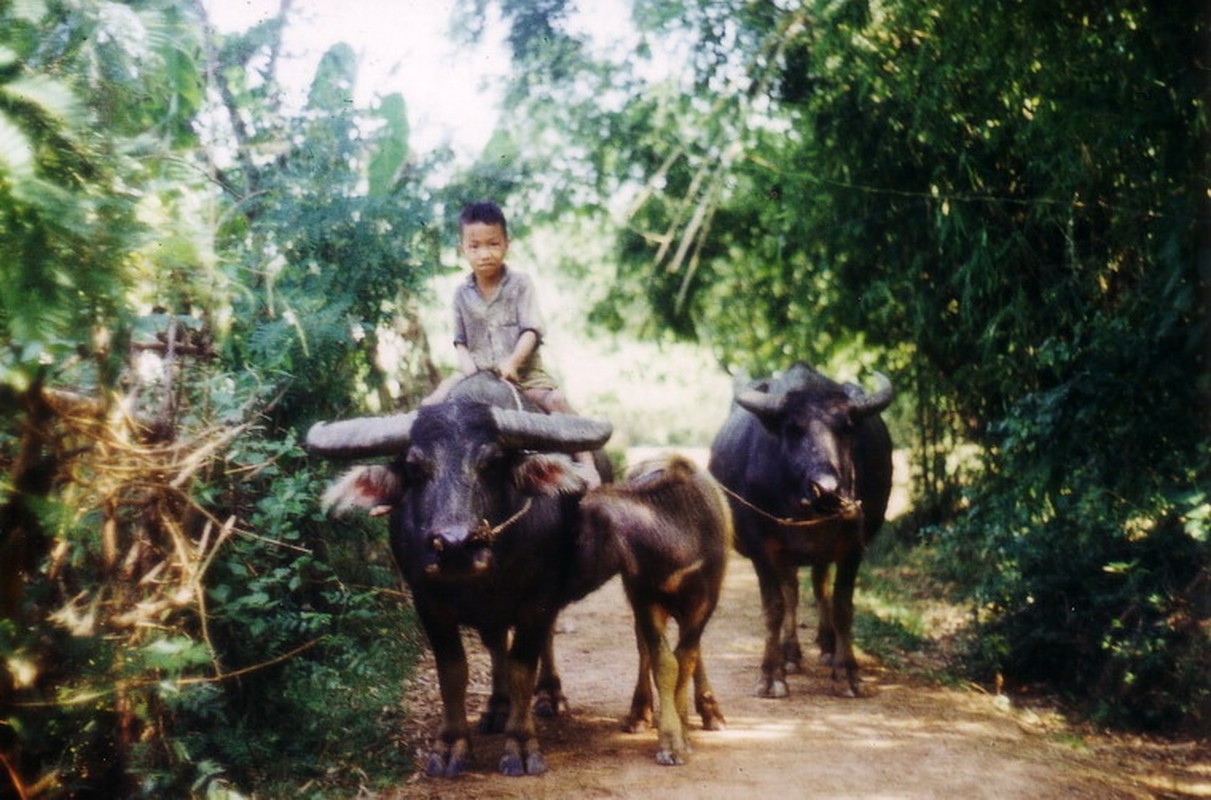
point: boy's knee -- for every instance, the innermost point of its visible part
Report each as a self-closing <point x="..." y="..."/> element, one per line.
<point x="443" y="389"/>
<point x="553" y="402"/>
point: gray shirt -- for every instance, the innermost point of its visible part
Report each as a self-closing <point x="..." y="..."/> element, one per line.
<point x="489" y="329"/>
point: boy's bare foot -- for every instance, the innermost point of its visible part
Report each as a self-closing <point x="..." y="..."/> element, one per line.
<point x="587" y="469"/>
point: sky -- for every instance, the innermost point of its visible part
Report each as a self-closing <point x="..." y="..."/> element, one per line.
<point x="404" y="47"/>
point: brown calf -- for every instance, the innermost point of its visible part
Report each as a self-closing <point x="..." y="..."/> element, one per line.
<point x="667" y="529"/>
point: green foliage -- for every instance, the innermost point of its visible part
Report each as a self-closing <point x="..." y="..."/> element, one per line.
<point x="339" y="237"/>
<point x="178" y="619"/>
<point x="309" y="626"/>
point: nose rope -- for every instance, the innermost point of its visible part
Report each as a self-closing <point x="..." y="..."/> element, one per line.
<point x="487" y="533"/>
<point x="517" y="401"/>
<point x="516" y="396"/>
<point x="850" y="509"/>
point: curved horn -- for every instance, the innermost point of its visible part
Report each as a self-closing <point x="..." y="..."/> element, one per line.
<point x="560" y="433"/>
<point x="361" y="437"/>
<point x="763" y="404"/>
<point x="862" y="404"/>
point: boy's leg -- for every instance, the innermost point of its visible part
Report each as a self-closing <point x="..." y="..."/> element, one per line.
<point x="553" y="402"/>
<point x="443" y="389"/>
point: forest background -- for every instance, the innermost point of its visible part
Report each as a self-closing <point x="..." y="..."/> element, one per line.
<point x="1003" y="205"/>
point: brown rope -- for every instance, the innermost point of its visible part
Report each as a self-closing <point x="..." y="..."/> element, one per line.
<point x="487" y="533"/>
<point x="850" y="509"/>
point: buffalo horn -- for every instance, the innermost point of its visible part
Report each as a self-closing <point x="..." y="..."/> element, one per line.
<point x="361" y="437"/>
<point x="763" y="404"/>
<point x="560" y="433"/>
<point x="862" y="404"/>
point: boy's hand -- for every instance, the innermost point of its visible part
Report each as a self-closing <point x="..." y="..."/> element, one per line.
<point x="508" y="370"/>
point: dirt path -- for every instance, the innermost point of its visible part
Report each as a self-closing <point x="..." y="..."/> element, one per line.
<point x="902" y="739"/>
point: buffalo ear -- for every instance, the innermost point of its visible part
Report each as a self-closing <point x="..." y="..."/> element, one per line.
<point x="548" y="474"/>
<point x="368" y="487"/>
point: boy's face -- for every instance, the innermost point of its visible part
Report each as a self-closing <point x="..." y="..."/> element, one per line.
<point x="484" y="246"/>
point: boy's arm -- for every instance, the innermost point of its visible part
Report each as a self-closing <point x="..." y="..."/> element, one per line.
<point x="466" y="364"/>
<point x="521" y="351"/>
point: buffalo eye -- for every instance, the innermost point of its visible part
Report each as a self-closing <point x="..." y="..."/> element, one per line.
<point x="489" y="456"/>
<point x="418" y="465"/>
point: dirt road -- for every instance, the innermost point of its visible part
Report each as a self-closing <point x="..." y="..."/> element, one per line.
<point x="902" y="739"/>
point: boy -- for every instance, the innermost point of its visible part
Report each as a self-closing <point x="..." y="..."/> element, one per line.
<point x="497" y="322"/>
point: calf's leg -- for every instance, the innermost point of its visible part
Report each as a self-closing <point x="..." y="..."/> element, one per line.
<point x="639" y="718"/>
<point x="704" y="700"/>
<point x="671" y="673"/>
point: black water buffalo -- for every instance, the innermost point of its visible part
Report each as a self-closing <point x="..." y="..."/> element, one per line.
<point x="807" y="464"/>
<point x="667" y="530"/>
<point x="481" y="528"/>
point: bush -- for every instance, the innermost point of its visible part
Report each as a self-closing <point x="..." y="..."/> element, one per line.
<point x="189" y="621"/>
<point x="1092" y="572"/>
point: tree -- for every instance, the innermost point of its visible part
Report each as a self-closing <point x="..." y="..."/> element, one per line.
<point x="1001" y="200"/>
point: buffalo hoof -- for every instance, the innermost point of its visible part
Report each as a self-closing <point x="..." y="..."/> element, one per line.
<point x="774" y="689"/>
<point x="792" y="657"/>
<point x="549" y="704"/>
<point x="517" y="762"/>
<point x="850" y="688"/>
<point x="447" y="761"/>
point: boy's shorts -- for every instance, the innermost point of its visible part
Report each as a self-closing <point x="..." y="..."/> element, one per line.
<point x="536" y="379"/>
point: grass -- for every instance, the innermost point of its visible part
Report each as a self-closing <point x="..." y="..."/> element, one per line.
<point x="904" y="616"/>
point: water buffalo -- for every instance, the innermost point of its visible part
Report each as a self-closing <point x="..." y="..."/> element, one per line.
<point x="481" y="529"/>
<point x="667" y="530"/>
<point x="807" y="464"/>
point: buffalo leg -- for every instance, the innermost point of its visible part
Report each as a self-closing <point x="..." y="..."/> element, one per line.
<point x="549" y="699"/>
<point x="826" y="628"/>
<point x="773" y="604"/>
<point x="522" y="755"/>
<point x="792" y="652"/>
<point x="452" y="747"/>
<point x="493" y="719"/>
<point x="843" y="622"/>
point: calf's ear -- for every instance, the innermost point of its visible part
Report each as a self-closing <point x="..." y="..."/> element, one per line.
<point x="368" y="487"/>
<point x="548" y="474"/>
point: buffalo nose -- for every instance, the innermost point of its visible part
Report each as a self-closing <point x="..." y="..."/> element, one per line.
<point x="448" y="538"/>
<point x="825" y="485"/>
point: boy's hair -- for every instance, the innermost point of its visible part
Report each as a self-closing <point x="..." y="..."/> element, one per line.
<point x="484" y="212"/>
